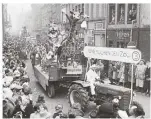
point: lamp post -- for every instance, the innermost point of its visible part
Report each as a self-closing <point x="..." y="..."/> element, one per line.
<point x="132" y="45"/>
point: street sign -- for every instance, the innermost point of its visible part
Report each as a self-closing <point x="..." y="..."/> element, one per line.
<point x="114" y="54"/>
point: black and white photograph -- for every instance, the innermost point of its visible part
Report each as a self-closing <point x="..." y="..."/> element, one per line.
<point x="75" y="60"/>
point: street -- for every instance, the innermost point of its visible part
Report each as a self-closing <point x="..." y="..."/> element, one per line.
<point x="61" y="96"/>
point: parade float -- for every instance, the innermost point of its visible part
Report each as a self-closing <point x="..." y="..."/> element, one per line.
<point x="66" y="68"/>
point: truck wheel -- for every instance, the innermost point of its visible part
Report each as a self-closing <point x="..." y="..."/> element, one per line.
<point x="51" y="91"/>
<point x="77" y="94"/>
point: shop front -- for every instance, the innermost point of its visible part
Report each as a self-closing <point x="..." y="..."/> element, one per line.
<point x="119" y="38"/>
<point x="144" y="43"/>
<point x="96" y="33"/>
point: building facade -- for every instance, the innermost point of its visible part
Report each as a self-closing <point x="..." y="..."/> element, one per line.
<point x="65" y="23"/>
<point x="144" y="31"/>
<point x="94" y="35"/>
<point x="44" y="14"/>
<point x="96" y="31"/>
<point x="6" y="20"/>
<point x="119" y="26"/>
<point x="36" y="18"/>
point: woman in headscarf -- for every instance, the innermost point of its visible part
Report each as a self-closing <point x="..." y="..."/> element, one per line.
<point x="140" y="75"/>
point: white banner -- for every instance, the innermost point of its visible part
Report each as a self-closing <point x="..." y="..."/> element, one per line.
<point x="113" y="54"/>
<point x="74" y="70"/>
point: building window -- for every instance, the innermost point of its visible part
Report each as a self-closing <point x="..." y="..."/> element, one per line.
<point x="92" y="5"/>
<point x="79" y="8"/>
<point x="87" y="9"/>
<point x="90" y="41"/>
<point x="111" y="43"/>
<point x="120" y="44"/>
<point x="121" y="14"/>
<point x="132" y="13"/>
<point x="97" y="10"/>
<point x="111" y="13"/>
<point x="82" y="8"/>
<point x="69" y="8"/>
<point x="76" y="8"/>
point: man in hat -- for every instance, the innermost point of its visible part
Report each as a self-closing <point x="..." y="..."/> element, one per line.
<point x="92" y="76"/>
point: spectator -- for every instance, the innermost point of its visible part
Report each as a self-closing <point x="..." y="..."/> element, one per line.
<point x="110" y="72"/>
<point x="121" y="74"/>
<point x="140" y="75"/>
<point x="100" y="70"/>
<point x="41" y="101"/>
<point x="130" y="76"/>
<point x="115" y="72"/>
<point x="76" y="111"/>
<point x="36" y="114"/>
<point x="33" y="58"/>
<point x="17" y="106"/>
<point x="126" y="70"/>
<point x="147" y="79"/>
<point x="8" y="108"/>
<point x="135" y="111"/>
<point x="28" y="110"/>
<point x="59" y="112"/>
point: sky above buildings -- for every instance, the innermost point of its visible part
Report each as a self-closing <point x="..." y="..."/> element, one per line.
<point x="17" y="13"/>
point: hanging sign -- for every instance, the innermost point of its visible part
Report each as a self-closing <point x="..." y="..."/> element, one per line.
<point x="114" y="54"/>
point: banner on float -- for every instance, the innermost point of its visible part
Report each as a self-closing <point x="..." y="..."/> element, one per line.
<point x="113" y="54"/>
<point x="74" y="70"/>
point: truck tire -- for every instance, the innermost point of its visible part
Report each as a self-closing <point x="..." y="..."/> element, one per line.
<point x="51" y="91"/>
<point x="81" y="97"/>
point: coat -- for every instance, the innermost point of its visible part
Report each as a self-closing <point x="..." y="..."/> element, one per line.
<point x="140" y="72"/>
<point x="28" y="110"/>
<point x="147" y="73"/>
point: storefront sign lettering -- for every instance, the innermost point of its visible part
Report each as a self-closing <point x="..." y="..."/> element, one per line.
<point x="113" y="54"/>
<point x="122" y="35"/>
